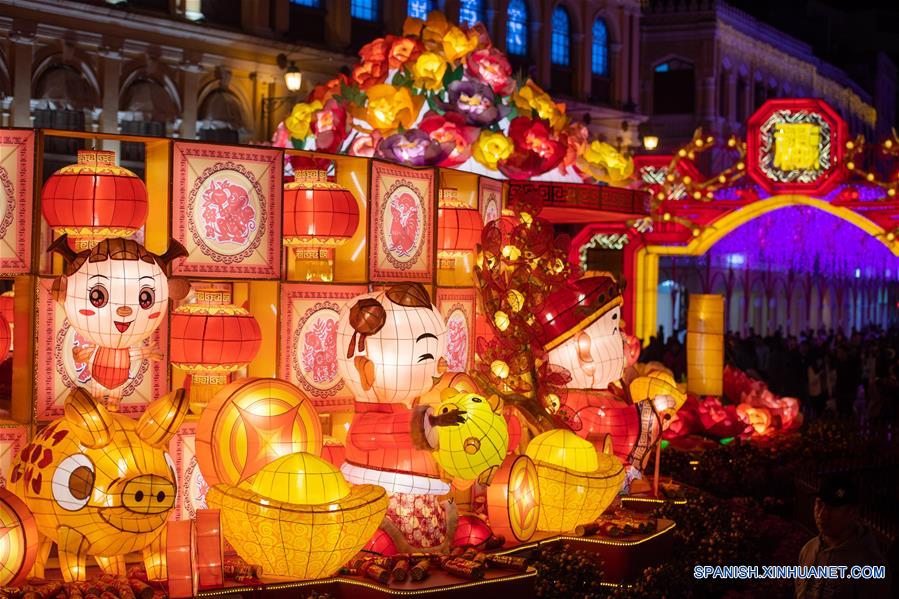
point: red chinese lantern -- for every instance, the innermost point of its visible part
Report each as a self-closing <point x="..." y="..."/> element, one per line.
<point x="210" y="339"/>
<point x="7" y="310"/>
<point x="94" y="199"/>
<point x="471" y="531"/>
<point x="5" y="338"/>
<point x="319" y="215"/>
<point x="458" y="230"/>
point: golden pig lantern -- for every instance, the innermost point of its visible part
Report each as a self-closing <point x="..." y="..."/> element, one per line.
<point x="705" y="344"/>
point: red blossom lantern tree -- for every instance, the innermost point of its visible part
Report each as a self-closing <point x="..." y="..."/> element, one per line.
<point x="319" y="215"/>
<point x="210" y="339"/>
<point x="94" y="199"/>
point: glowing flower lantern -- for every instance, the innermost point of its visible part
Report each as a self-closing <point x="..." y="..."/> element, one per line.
<point x="18" y="540"/>
<point x="250" y="423"/>
<point x="758" y="418"/>
<point x="101" y="484"/>
<point x="458" y="229"/>
<point x="94" y="199"/>
<point x="318" y="216"/>
<point x="298" y="517"/>
<point x="577" y="483"/>
<point x="705" y="344"/>
<point x="477" y="446"/>
<point x="210" y="339"/>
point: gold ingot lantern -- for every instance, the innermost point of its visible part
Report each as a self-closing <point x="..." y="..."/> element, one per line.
<point x="298" y="517"/>
<point x="705" y="344"/>
<point x="576" y="482"/>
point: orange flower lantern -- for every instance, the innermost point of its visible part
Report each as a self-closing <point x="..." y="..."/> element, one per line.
<point x="458" y="230"/>
<point x="94" y="199"/>
<point x="18" y="540"/>
<point x="319" y="215"/>
<point x="210" y="339"/>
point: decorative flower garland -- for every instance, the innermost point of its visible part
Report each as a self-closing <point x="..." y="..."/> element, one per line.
<point x="442" y="95"/>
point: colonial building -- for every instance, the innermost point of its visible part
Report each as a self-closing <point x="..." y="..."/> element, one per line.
<point x="708" y="64"/>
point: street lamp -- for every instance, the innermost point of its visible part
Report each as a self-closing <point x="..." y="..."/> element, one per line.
<point x="293" y="80"/>
<point x="650" y="142"/>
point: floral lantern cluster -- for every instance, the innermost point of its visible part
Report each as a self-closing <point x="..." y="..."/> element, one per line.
<point x="458" y="229"/>
<point x="94" y="199"/>
<point x="210" y="339"/>
<point x="319" y="215"/>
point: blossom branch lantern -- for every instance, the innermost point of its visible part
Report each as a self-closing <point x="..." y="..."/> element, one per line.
<point x="319" y="215"/>
<point x="94" y="199"/>
<point x="458" y="229"/>
<point x="210" y="339"/>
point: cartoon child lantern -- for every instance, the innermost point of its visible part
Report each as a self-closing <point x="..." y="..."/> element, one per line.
<point x="115" y="295"/>
<point x="581" y="333"/>
<point x="389" y="348"/>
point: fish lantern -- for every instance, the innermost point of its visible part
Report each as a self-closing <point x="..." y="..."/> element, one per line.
<point x="577" y="483"/>
<point x="210" y="339"/>
<point x="458" y="230"/>
<point x="18" y="540"/>
<point x="319" y="215"/>
<point x="476" y="447"/>
<point x="580" y="331"/>
<point x="297" y="517"/>
<point x="94" y="200"/>
<point x="115" y="295"/>
<point x="249" y="424"/>
<point x="705" y="344"/>
<point x="101" y="484"/>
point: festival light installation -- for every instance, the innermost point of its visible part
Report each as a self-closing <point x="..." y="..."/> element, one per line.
<point x="210" y="339"/>
<point x="297" y="517"/>
<point x="513" y="500"/>
<point x="476" y="446"/>
<point x="101" y="484"/>
<point x="458" y="230"/>
<point x="94" y="200"/>
<point x="18" y="540"/>
<point x="705" y="344"/>
<point x="319" y="215"/>
<point x="115" y="295"/>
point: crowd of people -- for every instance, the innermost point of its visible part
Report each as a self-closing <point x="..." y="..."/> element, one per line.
<point x="832" y="373"/>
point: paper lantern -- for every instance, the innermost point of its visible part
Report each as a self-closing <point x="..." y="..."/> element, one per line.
<point x="94" y="200"/>
<point x="298" y="517"/>
<point x="395" y="339"/>
<point x="318" y="216"/>
<point x="758" y="418"/>
<point x="513" y="500"/>
<point x="18" y="540"/>
<point x="7" y="309"/>
<point x="101" y="484"/>
<point x="5" y="338"/>
<point x="210" y="550"/>
<point x="381" y="543"/>
<point x="115" y="295"/>
<point x="251" y="423"/>
<point x="471" y="531"/>
<point x="458" y="233"/>
<point x="580" y="331"/>
<point x="333" y="450"/>
<point x="576" y="482"/>
<point x="476" y="446"/>
<point x="181" y="553"/>
<point x="705" y="344"/>
<point x="211" y="339"/>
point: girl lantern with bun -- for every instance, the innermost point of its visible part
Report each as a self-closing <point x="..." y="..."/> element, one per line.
<point x="389" y="348"/>
<point x="581" y="332"/>
<point x="115" y="295"/>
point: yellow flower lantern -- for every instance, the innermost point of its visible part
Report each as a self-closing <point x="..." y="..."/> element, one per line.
<point x="298" y="517"/>
<point x="705" y="344"/>
<point x="476" y="446"/>
<point x="18" y="540"/>
<point x="576" y="483"/>
<point x="252" y="422"/>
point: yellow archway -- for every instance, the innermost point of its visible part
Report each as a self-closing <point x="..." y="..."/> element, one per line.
<point x="647" y="258"/>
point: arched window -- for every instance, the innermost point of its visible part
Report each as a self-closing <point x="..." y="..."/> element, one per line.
<point x="220" y="118"/>
<point x="365" y="10"/>
<point x="560" y="52"/>
<point x="471" y="12"/>
<point x="419" y="8"/>
<point x="517" y="28"/>
<point x="599" y="54"/>
<point x="145" y="108"/>
<point x="673" y="88"/>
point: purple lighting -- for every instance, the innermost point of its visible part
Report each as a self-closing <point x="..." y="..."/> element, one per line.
<point x="805" y="240"/>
